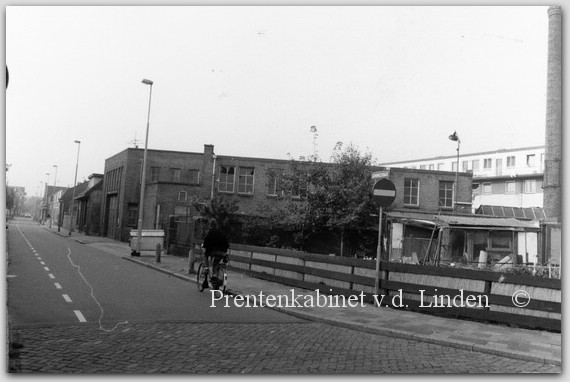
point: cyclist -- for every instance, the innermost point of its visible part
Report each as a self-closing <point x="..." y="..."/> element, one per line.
<point x="215" y="245"/>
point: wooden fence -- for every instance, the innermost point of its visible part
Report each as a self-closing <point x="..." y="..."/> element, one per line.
<point x="452" y="292"/>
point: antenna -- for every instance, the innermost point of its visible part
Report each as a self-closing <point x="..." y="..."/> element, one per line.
<point x="135" y="141"/>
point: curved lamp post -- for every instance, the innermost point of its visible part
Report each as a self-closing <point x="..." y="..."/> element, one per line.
<point x="455" y="137"/>
<point x="74" y="185"/>
<point x="143" y="176"/>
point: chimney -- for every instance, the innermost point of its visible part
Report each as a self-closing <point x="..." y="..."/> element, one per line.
<point x="553" y="143"/>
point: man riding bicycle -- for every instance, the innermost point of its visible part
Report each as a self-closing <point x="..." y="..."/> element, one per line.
<point x="216" y="246"/>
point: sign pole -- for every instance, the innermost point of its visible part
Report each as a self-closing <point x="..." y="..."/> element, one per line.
<point x="378" y="254"/>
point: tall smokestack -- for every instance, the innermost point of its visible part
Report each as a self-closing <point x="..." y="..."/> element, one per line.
<point x="553" y="153"/>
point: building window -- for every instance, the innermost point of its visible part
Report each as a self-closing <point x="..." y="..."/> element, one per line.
<point x="511" y="161"/>
<point x="486" y="188"/>
<point x="227" y="179"/>
<point x="530" y="160"/>
<point x="476" y="189"/>
<point x="154" y="174"/>
<point x="411" y="192"/>
<point x="475" y="164"/>
<point x="175" y="175"/>
<point x="510" y="187"/>
<point x="453" y="166"/>
<point x="445" y="194"/>
<point x="440" y="166"/>
<point x="182" y="196"/>
<point x="431" y="166"/>
<point x="487" y="164"/>
<point x="530" y="186"/>
<point x="274" y="179"/>
<point x="245" y="180"/>
<point x="422" y="167"/>
<point x="194" y="177"/>
<point x="132" y="215"/>
<point x="299" y="186"/>
<point x="465" y="166"/>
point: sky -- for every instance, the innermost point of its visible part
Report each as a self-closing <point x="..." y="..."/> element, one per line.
<point x="394" y="81"/>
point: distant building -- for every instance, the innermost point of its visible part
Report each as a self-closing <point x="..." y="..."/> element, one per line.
<point x="507" y="177"/>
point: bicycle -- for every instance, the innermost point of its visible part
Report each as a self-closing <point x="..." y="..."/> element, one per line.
<point x="221" y="277"/>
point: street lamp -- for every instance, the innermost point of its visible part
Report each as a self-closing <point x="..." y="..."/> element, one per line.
<point x="74" y="185"/>
<point x="455" y="137"/>
<point x="143" y="176"/>
<point x="54" y="183"/>
<point x="46" y="195"/>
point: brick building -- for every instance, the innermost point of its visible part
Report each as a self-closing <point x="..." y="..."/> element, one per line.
<point x="174" y="181"/>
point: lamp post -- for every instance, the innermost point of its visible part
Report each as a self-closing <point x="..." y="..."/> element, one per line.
<point x="46" y="196"/>
<point x="74" y="185"/>
<point x="54" y="183"/>
<point x="455" y="137"/>
<point x="143" y="176"/>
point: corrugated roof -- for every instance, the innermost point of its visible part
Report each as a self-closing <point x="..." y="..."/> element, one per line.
<point x="533" y="213"/>
<point x="479" y="221"/>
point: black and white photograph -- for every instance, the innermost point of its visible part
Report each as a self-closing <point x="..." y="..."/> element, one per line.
<point x="283" y="189"/>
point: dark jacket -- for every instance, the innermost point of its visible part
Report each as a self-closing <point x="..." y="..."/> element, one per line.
<point x="214" y="241"/>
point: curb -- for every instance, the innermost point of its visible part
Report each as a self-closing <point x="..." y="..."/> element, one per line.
<point x="464" y="345"/>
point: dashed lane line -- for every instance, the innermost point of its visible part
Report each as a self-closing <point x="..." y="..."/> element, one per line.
<point x="79" y="316"/>
<point x="57" y="285"/>
<point x="66" y="298"/>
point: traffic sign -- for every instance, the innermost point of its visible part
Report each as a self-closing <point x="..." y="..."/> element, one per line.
<point x="384" y="192"/>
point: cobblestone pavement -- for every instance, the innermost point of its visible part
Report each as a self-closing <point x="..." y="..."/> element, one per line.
<point x="295" y="348"/>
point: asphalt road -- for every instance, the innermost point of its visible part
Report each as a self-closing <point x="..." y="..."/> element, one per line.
<point x="140" y="321"/>
<point x="56" y="281"/>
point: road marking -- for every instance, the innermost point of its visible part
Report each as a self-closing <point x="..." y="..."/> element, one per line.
<point x="51" y="276"/>
<point x="66" y="298"/>
<point x="42" y="263"/>
<point x="47" y="269"/>
<point x="57" y="285"/>
<point x="79" y="316"/>
<point x="39" y="258"/>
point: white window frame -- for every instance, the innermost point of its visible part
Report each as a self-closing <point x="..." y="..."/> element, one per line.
<point x="511" y="161"/>
<point x="415" y="192"/>
<point x="246" y="181"/>
<point x="487" y="188"/>
<point x="182" y="196"/>
<point x="487" y="163"/>
<point x="448" y="189"/>
<point x="510" y="184"/>
<point x="531" y="160"/>
<point x="530" y="186"/>
<point x="225" y="179"/>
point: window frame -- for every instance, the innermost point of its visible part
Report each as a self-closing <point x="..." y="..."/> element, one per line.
<point x="274" y="182"/>
<point x="226" y="182"/>
<point x="514" y="186"/>
<point x="411" y="192"/>
<point x="526" y="187"/>
<point x="487" y="163"/>
<point x="484" y="188"/>
<point x="246" y="181"/>
<point x="448" y="196"/>
<point x="185" y="196"/>
<point x="511" y="161"/>
<point x="175" y="175"/>
<point x="154" y="173"/>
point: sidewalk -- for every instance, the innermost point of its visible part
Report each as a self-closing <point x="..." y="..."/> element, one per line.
<point x="529" y="345"/>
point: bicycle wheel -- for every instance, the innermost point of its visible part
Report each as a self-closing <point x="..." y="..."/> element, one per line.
<point x="201" y="277"/>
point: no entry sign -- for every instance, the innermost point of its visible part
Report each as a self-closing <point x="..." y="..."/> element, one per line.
<point x="384" y="192"/>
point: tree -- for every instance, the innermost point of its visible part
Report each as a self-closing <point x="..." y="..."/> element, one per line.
<point x="220" y="209"/>
<point x="320" y="197"/>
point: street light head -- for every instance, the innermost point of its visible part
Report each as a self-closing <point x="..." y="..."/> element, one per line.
<point x="77" y="141"/>
<point x="147" y="82"/>
<point x="454" y="136"/>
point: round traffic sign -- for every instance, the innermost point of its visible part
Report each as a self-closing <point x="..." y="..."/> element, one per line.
<point x="384" y="192"/>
